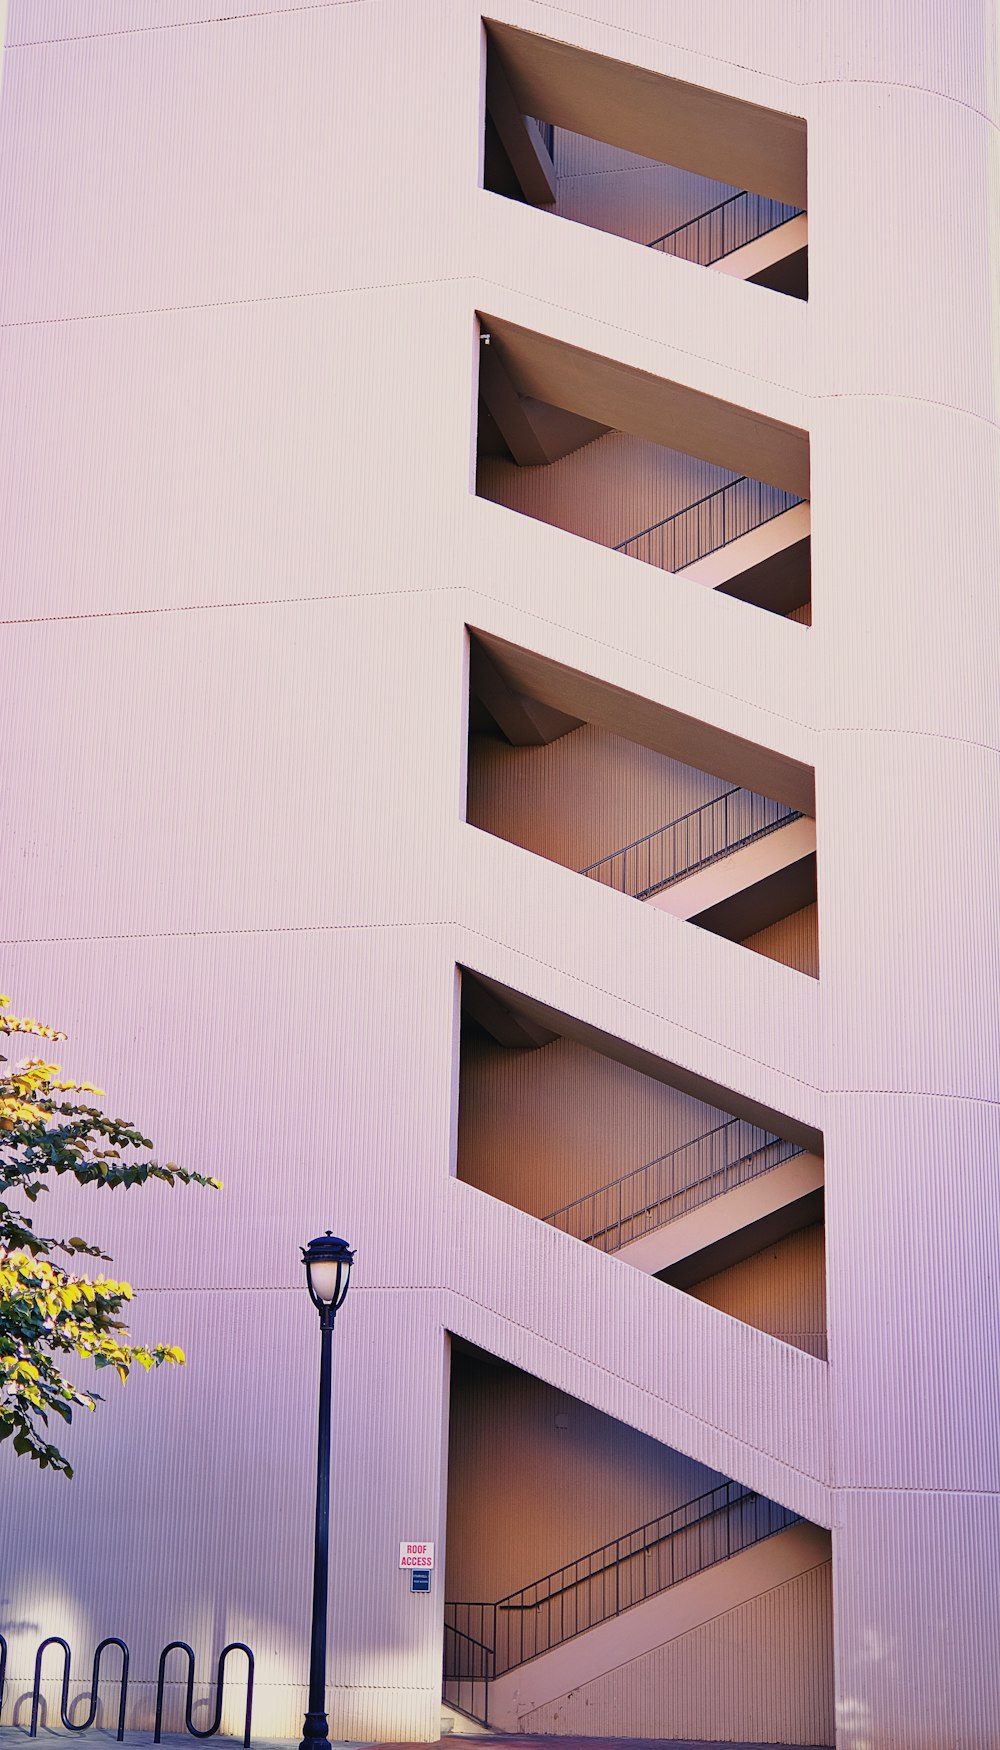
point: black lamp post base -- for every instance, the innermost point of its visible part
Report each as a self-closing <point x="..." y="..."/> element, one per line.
<point x="315" y="1733"/>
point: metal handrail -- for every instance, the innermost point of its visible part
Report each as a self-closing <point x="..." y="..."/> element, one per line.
<point x="620" y="1574"/>
<point x="468" y="1666"/>
<point x="608" y="1219"/>
<point x="718" y="517"/>
<point x="691" y="841"/>
<point x="727" y="226"/>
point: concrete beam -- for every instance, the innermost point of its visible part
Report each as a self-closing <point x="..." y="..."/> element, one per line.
<point x="751" y="887"/>
<point x="652" y="725"/>
<point x="779" y="259"/>
<point x="771" y="567"/>
<point x="663" y="412"/>
<point x="530" y="1012"/>
<point x="534" y="432"/>
<point x="734" y="1225"/>
<point x="524" y="722"/>
<point x="508" y="1026"/>
<point x="520" y="139"/>
<point x="691" y="126"/>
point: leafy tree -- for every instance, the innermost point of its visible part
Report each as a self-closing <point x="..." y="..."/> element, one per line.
<point x="46" y="1311"/>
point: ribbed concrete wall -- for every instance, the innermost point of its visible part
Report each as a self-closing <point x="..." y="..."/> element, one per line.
<point x="581" y="797"/>
<point x="537" y="1479"/>
<point x="540" y="1128"/>
<point x="624" y="193"/>
<point x="240" y="546"/>
<point x="609" y="490"/>
<point x="761" y="1673"/>
<point x="781" y="1289"/>
<point x="793" y="940"/>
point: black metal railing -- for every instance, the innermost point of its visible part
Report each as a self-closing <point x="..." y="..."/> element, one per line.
<point x="66" y="1707"/>
<point x="702" y="836"/>
<point x="603" y="1583"/>
<point x="468" y="1667"/>
<point x="682" y="1179"/>
<point x="739" y="219"/>
<point x="709" y="523"/>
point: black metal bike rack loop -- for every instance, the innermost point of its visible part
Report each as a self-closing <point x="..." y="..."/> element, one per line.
<point x="68" y="1724"/>
<point x="203" y="1731"/>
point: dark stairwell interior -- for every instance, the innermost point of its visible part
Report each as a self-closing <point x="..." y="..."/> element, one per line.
<point x="561" y="1519"/>
<point x="683" y="171"/>
<point x="680" y="1180"/>
<point x="679" y="838"/>
<point x="730" y="513"/>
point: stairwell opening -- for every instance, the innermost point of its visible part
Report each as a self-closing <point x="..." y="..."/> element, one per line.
<point x="676" y="480"/>
<point x="580" y="1551"/>
<point x="685" y="1182"/>
<point x="728" y="845"/>
<point x="674" y="167"/>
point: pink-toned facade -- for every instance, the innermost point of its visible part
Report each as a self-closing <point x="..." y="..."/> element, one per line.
<point x="429" y="817"/>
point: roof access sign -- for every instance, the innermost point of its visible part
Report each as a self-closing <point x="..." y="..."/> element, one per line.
<point x="416" y="1555"/>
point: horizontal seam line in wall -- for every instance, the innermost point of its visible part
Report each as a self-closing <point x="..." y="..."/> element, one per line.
<point x="235" y="930"/>
<point x="800" y="85"/>
<point x="910" y="1094"/>
<point x="911" y="1489"/>
<point x="41" y="42"/>
<point x="401" y="595"/>
<point x="275" y="601"/>
<point x="826" y="396"/>
<point x="888" y="729"/>
<point x="622" y="1379"/>
<point x="406" y="924"/>
<point x="233" y="303"/>
<point x="904" y="85"/>
<point x="472" y="277"/>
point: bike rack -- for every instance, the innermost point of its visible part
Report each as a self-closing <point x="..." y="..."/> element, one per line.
<point x="204" y="1731"/>
<point x="68" y="1724"/>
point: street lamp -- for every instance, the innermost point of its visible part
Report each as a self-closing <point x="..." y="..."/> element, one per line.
<point x="328" y="1272"/>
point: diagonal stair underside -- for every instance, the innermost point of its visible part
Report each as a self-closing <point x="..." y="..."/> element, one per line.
<point x="724" y="1393"/>
<point x="626" y="974"/>
<point x="703" y="1205"/>
<point x="678" y="1610"/>
<point x="574" y="295"/>
<point x="731" y="694"/>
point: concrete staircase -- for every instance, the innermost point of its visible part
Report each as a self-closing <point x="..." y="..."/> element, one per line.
<point x="542" y="1681"/>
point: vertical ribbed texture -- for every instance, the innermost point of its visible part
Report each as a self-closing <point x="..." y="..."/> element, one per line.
<point x="611" y="489"/>
<point x="242" y="260"/>
<point x="624" y="193"/>
<point x="537" y="1479"/>
<point x="580" y="797"/>
<point x="781" y="1290"/>
<point x="762" y="1673"/>
<point x="793" y="940"/>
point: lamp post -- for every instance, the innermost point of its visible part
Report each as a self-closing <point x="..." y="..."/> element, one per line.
<point x="328" y="1271"/>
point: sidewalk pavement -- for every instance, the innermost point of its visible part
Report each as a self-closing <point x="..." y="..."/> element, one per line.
<point x="16" y="1738"/>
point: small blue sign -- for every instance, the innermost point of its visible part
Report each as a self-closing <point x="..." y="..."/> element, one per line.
<point x="420" y="1579"/>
